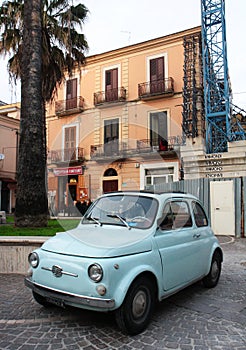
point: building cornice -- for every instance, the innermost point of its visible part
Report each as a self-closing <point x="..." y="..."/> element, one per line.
<point x="143" y="46"/>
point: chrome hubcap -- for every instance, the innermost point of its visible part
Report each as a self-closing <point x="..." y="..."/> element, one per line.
<point x="139" y="304"/>
<point x="215" y="270"/>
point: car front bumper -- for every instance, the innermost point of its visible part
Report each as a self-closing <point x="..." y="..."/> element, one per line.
<point x="62" y="298"/>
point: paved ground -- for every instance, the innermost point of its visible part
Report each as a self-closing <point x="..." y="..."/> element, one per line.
<point x="194" y="319"/>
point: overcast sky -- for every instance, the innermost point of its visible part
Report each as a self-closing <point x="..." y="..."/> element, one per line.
<point x="112" y="24"/>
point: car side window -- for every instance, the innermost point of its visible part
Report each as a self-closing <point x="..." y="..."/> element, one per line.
<point x="167" y="223"/>
<point x="176" y="215"/>
<point x="199" y="215"/>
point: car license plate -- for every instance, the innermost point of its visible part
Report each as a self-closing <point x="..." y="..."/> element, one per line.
<point x="55" y="301"/>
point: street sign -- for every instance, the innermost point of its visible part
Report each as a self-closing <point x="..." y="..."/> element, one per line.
<point x="1" y="156"/>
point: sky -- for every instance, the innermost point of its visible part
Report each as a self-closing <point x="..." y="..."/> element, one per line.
<point x="112" y="24"/>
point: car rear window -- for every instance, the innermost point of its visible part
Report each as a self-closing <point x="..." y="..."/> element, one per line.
<point x="199" y="215"/>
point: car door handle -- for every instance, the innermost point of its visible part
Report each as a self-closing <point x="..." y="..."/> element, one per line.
<point x="196" y="235"/>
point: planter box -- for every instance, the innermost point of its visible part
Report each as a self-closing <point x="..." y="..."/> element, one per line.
<point x="14" y="252"/>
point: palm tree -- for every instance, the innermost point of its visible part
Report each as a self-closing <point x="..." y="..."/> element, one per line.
<point x="31" y="175"/>
<point x="62" y="47"/>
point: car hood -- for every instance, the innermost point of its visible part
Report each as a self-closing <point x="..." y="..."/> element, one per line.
<point x="100" y="241"/>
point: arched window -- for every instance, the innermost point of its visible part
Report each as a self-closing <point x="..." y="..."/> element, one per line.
<point x="110" y="172"/>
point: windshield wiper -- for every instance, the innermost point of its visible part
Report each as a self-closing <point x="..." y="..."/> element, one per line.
<point x="96" y="220"/>
<point x="116" y="216"/>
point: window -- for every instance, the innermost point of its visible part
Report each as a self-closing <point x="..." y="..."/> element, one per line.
<point x="158" y="130"/>
<point x="69" y="143"/>
<point x="176" y="215"/>
<point x="110" y="172"/>
<point x="111" y="85"/>
<point x="111" y="136"/>
<point x="157" y="74"/>
<point x="199" y="215"/>
<point x="158" y="176"/>
<point x="71" y="94"/>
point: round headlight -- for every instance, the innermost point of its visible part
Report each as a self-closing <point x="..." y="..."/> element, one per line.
<point x="33" y="259"/>
<point x="95" y="272"/>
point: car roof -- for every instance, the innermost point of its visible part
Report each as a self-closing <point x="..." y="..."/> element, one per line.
<point x="157" y="195"/>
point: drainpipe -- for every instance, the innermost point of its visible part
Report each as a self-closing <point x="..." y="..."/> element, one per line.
<point x="17" y="152"/>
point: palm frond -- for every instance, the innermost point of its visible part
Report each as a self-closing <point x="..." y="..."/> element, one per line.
<point x="63" y="46"/>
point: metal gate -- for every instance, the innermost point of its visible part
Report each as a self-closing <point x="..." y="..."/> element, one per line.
<point x="201" y="189"/>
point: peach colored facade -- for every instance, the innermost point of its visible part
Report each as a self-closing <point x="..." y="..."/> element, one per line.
<point x="117" y="123"/>
<point x="9" y="127"/>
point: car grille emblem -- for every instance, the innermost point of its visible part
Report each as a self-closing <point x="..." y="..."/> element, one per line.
<point x="57" y="271"/>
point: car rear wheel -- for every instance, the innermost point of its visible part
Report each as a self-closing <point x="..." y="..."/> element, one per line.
<point x="41" y="300"/>
<point x="213" y="276"/>
<point x="135" y="313"/>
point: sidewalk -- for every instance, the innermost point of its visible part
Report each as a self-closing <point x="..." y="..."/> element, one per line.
<point x="194" y="319"/>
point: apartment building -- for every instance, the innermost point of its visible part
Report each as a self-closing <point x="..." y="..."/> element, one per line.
<point x="9" y="133"/>
<point x="116" y="124"/>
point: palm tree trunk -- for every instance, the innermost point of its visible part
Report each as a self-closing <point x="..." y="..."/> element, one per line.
<point x="31" y="202"/>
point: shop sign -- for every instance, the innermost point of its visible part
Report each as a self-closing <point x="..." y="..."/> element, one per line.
<point x="76" y="170"/>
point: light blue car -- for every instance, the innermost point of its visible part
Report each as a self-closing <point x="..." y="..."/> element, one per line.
<point x="130" y="250"/>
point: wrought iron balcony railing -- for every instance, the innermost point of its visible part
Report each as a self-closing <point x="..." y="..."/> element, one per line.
<point x="128" y="148"/>
<point x="66" y="155"/>
<point x="112" y="95"/>
<point x="156" y="88"/>
<point x="72" y="105"/>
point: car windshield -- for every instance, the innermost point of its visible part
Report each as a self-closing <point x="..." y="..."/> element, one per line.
<point x="125" y="210"/>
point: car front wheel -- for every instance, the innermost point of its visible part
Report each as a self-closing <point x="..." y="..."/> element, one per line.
<point x="135" y="313"/>
<point x="213" y="276"/>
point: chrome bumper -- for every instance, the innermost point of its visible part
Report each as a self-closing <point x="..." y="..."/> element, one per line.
<point x="69" y="298"/>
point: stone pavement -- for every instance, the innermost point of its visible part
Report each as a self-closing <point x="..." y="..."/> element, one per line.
<point x="194" y="319"/>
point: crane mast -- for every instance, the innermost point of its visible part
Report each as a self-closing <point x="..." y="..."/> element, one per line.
<point x="221" y="124"/>
<point x="215" y="75"/>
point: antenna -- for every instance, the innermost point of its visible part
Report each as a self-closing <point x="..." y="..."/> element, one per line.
<point x="129" y="35"/>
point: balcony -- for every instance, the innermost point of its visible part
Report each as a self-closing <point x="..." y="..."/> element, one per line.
<point x="68" y="155"/>
<point x="110" y="96"/>
<point x="70" y="106"/>
<point x="128" y="148"/>
<point x="156" y="89"/>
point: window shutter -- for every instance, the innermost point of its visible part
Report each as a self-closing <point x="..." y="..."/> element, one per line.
<point x="111" y="85"/>
<point x="71" y="94"/>
<point x="71" y="88"/>
<point x="115" y="78"/>
<point x="157" y="69"/>
<point x="111" y="79"/>
<point x="70" y="137"/>
<point x="158" y="128"/>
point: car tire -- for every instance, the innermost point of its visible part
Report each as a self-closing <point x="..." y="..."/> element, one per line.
<point x="40" y="299"/>
<point x="211" y="280"/>
<point x="135" y="313"/>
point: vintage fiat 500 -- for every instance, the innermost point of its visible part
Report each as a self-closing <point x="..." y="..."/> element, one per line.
<point x="130" y="250"/>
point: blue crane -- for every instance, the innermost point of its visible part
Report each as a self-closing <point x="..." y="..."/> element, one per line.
<point x="221" y="116"/>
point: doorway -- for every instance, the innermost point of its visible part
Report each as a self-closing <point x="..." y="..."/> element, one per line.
<point x="222" y="207"/>
<point x="110" y="181"/>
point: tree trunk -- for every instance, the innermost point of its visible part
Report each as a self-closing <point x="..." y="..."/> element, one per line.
<point x="31" y="202"/>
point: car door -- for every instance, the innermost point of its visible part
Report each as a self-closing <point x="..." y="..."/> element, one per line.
<point x="202" y="237"/>
<point x="177" y="243"/>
